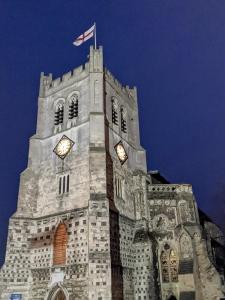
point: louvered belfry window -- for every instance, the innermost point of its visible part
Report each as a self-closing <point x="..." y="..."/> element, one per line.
<point x="60" y="244"/>
<point x="73" y="107"/>
<point x="114" y="113"/>
<point x="59" y="112"/>
<point x="123" y="121"/>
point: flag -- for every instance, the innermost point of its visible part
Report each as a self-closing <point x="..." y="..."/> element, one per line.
<point x="85" y="36"/>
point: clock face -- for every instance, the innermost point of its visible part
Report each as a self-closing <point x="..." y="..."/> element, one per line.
<point x="63" y="147"/>
<point x="121" y="152"/>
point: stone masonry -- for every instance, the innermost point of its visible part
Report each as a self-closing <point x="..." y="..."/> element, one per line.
<point x="126" y="236"/>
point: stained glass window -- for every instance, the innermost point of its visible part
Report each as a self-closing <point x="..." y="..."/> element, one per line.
<point x="173" y="267"/>
<point x="165" y="266"/>
<point x="169" y="266"/>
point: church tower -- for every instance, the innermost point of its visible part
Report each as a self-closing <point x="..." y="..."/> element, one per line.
<point x="90" y="223"/>
<point x="59" y="237"/>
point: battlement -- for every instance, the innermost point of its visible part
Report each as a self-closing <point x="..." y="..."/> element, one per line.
<point x="129" y="92"/>
<point x="69" y="75"/>
<point x="47" y="83"/>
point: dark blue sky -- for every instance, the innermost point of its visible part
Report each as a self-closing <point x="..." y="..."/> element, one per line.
<point x="173" y="51"/>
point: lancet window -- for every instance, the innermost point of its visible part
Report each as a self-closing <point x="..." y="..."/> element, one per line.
<point x="173" y="267"/>
<point x="73" y="107"/>
<point x="64" y="184"/>
<point x="60" y="244"/>
<point x="186" y="249"/>
<point x="119" y="191"/>
<point x="165" y="267"/>
<point x="59" y="114"/>
<point x="169" y="266"/>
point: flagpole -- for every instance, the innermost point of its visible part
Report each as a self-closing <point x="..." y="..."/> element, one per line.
<point x="95" y="37"/>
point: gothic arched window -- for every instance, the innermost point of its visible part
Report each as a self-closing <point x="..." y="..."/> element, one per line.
<point x="60" y="243"/>
<point x="59" y="112"/>
<point x="123" y="120"/>
<point x="186" y="247"/>
<point x="169" y="266"/>
<point x="73" y="107"/>
<point x="165" y="266"/>
<point x="114" y="111"/>
<point x="173" y="267"/>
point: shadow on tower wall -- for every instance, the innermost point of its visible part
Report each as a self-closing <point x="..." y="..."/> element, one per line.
<point x="116" y="265"/>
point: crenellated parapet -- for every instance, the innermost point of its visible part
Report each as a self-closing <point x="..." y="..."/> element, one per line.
<point x="49" y="85"/>
<point x="126" y="91"/>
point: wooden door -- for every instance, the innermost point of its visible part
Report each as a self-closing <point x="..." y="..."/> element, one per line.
<point x="60" y="296"/>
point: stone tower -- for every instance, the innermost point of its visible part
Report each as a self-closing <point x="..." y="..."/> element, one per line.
<point x="90" y="221"/>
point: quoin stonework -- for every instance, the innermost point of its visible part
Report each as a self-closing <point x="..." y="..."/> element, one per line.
<point x="92" y="222"/>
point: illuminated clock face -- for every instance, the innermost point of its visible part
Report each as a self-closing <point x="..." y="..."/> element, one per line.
<point x="121" y="152"/>
<point x="63" y="147"/>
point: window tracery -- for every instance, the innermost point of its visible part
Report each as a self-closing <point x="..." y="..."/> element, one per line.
<point x="169" y="266"/>
<point x="186" y="247"/>
<point x="165" y="267"/>
<point x="173" y="267"/>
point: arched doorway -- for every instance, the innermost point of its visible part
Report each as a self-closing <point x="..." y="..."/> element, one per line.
<point x="57" y="293"/>
<point x="60" y="296"/>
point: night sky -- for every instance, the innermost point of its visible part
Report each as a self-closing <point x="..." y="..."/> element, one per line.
<point x="173" y="51"/>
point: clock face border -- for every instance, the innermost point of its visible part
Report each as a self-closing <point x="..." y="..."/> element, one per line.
<point x="71" y="146"/>
<point x="122" y="161"/>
